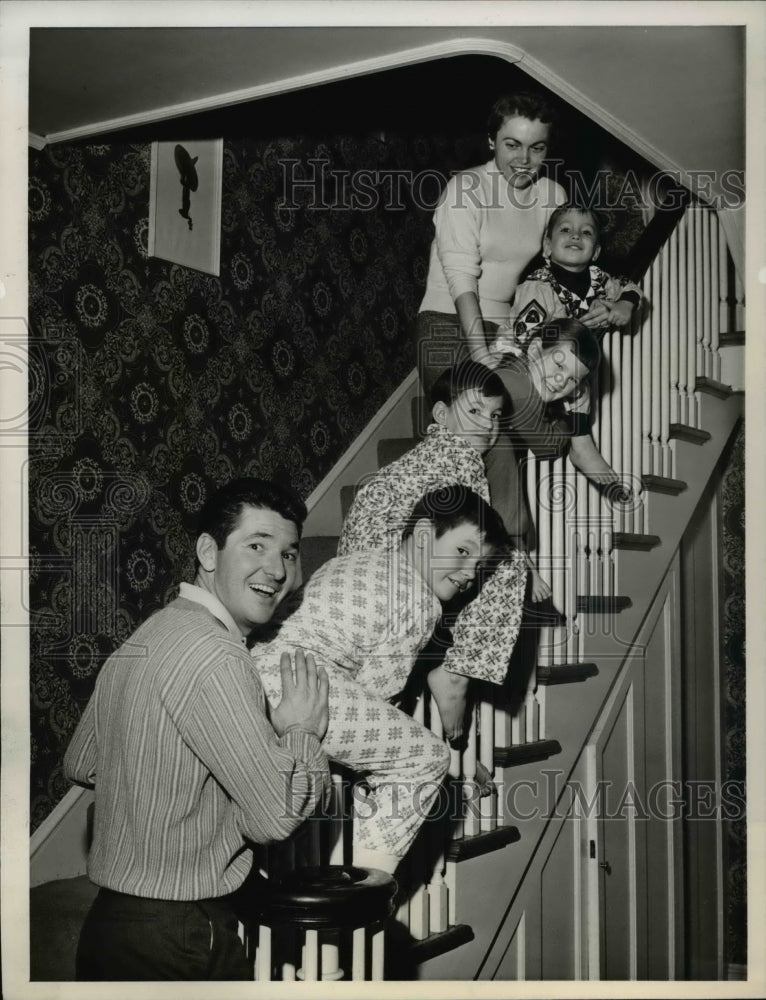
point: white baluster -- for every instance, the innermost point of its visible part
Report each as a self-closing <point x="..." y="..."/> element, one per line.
<point x="310" y="971"/>
<point x="626" y="425"/>
<point x="582" y="577"/>
<point x="330" y="957"/>
<point x="664" y="397"/>
<point x="438" y="910"/>
<point x="646" y="374"/>
<point x="615" y="409"/>
<point x="377" y="956"/>
<point x="715" y="303"/>
<point x="656" y="413"/>
<point x="487" y="754"/>
<point x="699" y="283"/>
<point x="675" y="337"/>
<point x="724" y="291"/>
<point x="694" y="318"/>
<point x="470" y="795"/>
<point x="683" y="322"/>
<point x="263" y="955"/>
<point x="637" y="403"/>
<point x="358" y="946"/>
<point x="450" y="880"/>
<point x="707" y="356"/>
<point x="605" y="406"/>
<point x="545" y="647"/>
<point x="419" y="904"/>
<point x="558" y="557"/>
<point x="416" y="916"/>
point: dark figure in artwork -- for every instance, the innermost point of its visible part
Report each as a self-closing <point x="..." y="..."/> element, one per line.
<point x="189" y="180"/>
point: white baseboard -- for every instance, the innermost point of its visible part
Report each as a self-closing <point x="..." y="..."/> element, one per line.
<point x="393" y="419"/>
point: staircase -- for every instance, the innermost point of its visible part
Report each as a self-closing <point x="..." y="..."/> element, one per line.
<point x="665" y="422"/>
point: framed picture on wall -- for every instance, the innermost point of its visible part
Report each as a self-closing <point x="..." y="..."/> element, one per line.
<point x="185" y="203"/>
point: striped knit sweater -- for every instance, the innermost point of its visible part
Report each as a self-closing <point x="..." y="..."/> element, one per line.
<point x="185" y="762"/>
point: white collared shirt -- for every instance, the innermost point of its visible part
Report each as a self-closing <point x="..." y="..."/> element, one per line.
<point x="192" y="592"/>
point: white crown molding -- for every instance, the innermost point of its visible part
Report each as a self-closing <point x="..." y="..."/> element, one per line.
<point x="390" y="60"/>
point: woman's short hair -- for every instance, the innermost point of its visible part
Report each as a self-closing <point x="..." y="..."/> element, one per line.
<point x="219" y="516"/>
<point x="521" y="105"/>
<point x="453" y="505"/>
<point x="571" y="331"/>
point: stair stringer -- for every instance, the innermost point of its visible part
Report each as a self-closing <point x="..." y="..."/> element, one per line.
<point x="486" y="887"/>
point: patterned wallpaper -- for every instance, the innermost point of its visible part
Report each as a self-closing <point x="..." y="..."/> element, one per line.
<point x="151" y="384"/>
<point x="732" y="510"/>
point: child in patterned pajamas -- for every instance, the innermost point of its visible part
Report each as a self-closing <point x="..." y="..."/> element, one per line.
<point x="365" y="617"/>
<point x="568" y="285"/>
<point x="467" y="404"/>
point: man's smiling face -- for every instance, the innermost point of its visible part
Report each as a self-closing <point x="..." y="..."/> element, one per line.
<point x="256" y="568"/>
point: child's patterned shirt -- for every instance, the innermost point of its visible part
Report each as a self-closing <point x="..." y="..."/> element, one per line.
<point x="485" y="630"/>
<point x="542" y="298"/>
<point x="369" y="613"/>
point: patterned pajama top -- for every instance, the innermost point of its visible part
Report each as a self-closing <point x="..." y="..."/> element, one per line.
<point x="543" y="297"/>
<point x="485" y="630"/>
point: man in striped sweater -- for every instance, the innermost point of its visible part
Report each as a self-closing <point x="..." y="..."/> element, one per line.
<point x="187" y="766"/>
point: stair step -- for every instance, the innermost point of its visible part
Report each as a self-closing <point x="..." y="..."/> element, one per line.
<point x="712" y="388"/>
<point x="440" y="943"/>
<point x="565" y="673"/>
<point x="482" y="843"/>
<point x="731" y="338"/>
<point x="634" y="542"/>
<point x="421" y="416"/>
<point x="315" y="551"/>
<point x="347" y="494"/>
<point x="543" y="613"/>
<point x="663" y="484"/>
<point x="525" y="753"/>
<point x="684" y="432"/>
<point x="602" y="605"/>
<point x="389" y="449"/>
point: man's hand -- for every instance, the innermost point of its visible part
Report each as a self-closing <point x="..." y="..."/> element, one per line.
<point x="304" y="703"/>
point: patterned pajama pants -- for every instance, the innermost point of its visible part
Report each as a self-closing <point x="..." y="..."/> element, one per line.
<point x="407" y="764"/>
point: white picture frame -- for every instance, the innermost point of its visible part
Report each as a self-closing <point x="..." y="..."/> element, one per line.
<point x="185" y="203"/>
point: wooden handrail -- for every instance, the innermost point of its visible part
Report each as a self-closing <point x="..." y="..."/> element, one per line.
<point x="656" y="234"/>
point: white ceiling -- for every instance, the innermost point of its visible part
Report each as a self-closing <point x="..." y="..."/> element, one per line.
<point x="675" y="94"/>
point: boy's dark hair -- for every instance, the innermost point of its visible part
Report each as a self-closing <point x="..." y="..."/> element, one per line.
<point x="521" y="105"/>
<point x="462" y="377"/>
<point x="222" y="509"/>
<point x="451" y="506"/>
<point x="572" y="207"/>
<point x="571" y="331"/>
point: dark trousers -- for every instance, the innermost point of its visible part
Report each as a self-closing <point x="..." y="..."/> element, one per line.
<point x="132" y="938"/>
